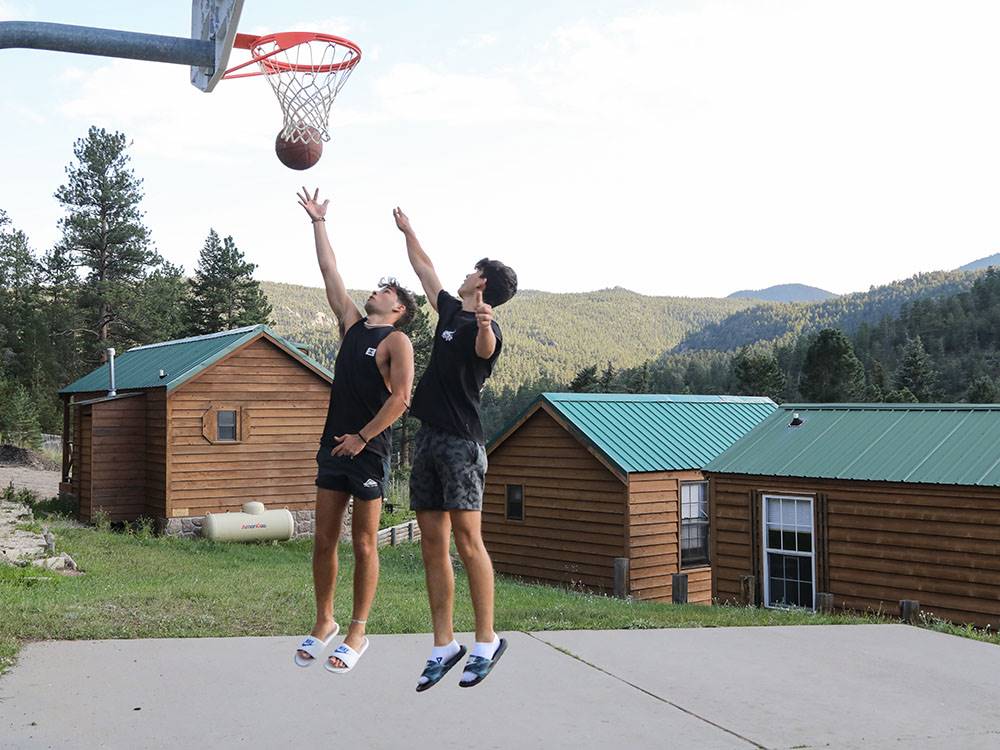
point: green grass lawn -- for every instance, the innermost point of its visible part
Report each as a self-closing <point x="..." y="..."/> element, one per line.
<point x="140" y="586"/>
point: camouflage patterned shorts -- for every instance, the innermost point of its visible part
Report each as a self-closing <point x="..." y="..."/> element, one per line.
<point x="448" y="472"/>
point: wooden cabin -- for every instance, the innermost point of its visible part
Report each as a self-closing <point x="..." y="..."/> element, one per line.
<point x="581" y="480"/>
<point x="872" y="503"/>
<point x="197" y="425"/>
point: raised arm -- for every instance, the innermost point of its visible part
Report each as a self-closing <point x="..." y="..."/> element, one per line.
<point x="336" y="293"/>
<point x="486" y="339"/>
<point x="418" y="258"/>
<point x="400" y="386"/>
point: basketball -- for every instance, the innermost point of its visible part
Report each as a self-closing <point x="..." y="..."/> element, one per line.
<point x="295" y="155"/>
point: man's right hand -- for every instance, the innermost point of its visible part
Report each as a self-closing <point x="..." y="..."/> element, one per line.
<point x="402" y="221"/>
<point x="315" y="209"/>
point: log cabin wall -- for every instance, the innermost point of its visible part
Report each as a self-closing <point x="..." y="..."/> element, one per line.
<point x="281" y="407"/>
<point x="574" y="508"/>
<point x="876" y="543"/>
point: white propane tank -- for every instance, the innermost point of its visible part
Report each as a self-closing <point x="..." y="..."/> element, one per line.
<point x="254" y="524"/>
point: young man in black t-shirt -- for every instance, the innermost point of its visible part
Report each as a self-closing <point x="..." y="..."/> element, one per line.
<point x="449" y="459"/>
<point x="373" y="376"/>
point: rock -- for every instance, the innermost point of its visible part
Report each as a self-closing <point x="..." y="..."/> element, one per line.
<point x="59" y="563"/>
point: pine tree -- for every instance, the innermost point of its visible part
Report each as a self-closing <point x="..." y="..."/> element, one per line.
<point x="640" y="379"/>
<point x="224" y="294"/>
<point x="585" y="380"/>
<point x="104" y="232"/>
<point x="604" y="383"/>
<point x="831" y="372"/>
<point x="983" y="390"/>
<point x="160" y="312"/>
<point x="19" y="417"/>
<point x="915" y="372"/>
<point x="757" y="374"/>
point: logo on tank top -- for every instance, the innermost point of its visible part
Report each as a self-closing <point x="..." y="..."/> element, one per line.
<point x="370" y="352"/>
<point x="447" y="335"/>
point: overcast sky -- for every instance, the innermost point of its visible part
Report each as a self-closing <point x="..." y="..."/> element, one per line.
<point x="684" y="148"/>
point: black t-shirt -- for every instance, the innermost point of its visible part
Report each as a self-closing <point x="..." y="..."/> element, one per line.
<point x="358" y="391"/>
<point x="447" y="396"/>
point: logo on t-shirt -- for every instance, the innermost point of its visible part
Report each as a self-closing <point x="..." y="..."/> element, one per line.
<point x="447" y="335"/>
<point x="370" y="352"/>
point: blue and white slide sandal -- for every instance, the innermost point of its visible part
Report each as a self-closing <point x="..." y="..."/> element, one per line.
<point x="347" y="655"/>
<point x="314" y="647"/>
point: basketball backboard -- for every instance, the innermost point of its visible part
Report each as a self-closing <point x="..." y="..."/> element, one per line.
<point x="214" y="21"/>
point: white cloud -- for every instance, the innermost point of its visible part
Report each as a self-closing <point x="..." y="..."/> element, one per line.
<point x="728" y="145"/>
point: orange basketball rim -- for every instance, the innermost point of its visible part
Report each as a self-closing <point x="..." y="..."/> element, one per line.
<point x="306" y="70"/>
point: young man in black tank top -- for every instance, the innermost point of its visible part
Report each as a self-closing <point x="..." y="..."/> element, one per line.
<point x="373" y="376"/>
<point x="449" y="458"/>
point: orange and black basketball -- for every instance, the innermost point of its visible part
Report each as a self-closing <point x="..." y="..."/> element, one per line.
<point x="296" y="155"/>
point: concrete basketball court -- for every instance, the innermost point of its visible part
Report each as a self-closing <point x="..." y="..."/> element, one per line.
<point x="779" y="687"/>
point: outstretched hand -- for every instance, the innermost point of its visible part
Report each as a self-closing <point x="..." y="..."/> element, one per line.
<point x="315" y="209"/>
<point x="402" y="221"/>
<point x="484" y="312"/>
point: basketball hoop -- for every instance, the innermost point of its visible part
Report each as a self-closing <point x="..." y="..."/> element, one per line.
<point x="306" y="70"/>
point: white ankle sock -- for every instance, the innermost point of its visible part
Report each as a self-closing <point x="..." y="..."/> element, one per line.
<point x="486" y="649"/>
<point x="441" y="654"/>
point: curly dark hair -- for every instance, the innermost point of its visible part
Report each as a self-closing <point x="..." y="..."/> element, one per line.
<point x="407" y="298"/>
<point x="501" y="281"/>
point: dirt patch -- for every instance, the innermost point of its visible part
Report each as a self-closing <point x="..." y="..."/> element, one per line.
<point x="43" y="482"/>
<point x="11" y="455"/>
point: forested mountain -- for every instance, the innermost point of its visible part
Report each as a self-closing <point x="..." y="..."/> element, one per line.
<point x="976" y="265"/>
<point x="785" y="293"/>
<point x="546" y="335"/>
<point x="780" y="322"/>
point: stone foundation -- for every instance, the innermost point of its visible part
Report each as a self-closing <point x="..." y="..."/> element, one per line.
<point x="305" y="524"/>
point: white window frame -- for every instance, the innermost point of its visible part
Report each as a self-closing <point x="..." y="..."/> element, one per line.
<point x="706" y="523"/>
<point x="765" y="549"/>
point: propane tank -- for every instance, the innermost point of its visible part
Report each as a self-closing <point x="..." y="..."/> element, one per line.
<point x="254" y="524"/>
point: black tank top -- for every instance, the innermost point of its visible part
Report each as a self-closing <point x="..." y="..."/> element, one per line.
<point x="358" y="390"/>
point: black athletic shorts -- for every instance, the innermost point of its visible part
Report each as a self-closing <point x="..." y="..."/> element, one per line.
<point x="448" y="472"/>
<point x="365" y="476"/>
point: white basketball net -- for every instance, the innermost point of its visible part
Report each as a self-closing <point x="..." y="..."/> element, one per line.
<point x="306" y="78"/>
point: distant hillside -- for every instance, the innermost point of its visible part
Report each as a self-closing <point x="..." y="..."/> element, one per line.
<point x="772" y="322"/>
<point x="546" y="334"/>
<point x="785" y="293"/>
<point x="992" y="260"/>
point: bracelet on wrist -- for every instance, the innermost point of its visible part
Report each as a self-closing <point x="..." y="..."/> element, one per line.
<point x="362" y="438"/>
<point x="315" y="221"/>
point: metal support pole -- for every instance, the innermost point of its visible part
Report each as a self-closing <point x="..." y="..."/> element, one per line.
<point x="679" y="588"/>
<point x="621" y="576"/>
<point x="87" y="40"/>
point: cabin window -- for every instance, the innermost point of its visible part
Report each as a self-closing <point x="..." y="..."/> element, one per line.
<point x="515" y="502"/>
<point x="789" y="562"/>
<point x="694" y="524"/>
<point x="226" y="423"/>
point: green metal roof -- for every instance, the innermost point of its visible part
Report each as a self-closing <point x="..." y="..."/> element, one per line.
<point x="639" y="433"/>
<point x="920" y="443"/>
<point x="179" y="360"/>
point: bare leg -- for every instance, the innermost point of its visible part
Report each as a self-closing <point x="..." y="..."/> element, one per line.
<point x="435" y="538"/>
<point x="330" y="507"/>
<point x="478" y="566"/>
<point x="364" y="533"/>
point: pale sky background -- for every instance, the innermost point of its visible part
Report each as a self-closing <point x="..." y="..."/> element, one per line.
<point x="688" y="148"/>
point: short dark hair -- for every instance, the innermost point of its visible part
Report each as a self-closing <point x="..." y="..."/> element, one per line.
<point x="501" y="281"/>
<point x="406" y="298"/>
